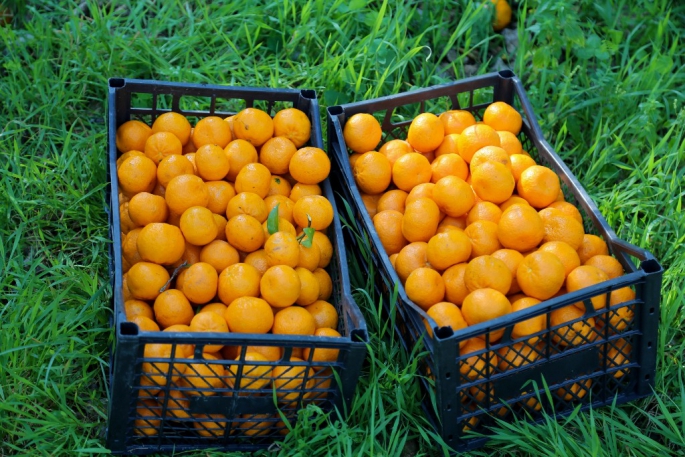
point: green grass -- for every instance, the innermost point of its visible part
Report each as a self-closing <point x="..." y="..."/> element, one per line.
<point x="605" y="77"/>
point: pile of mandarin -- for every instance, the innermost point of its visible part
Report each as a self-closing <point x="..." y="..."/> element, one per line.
<point x="476" y="229"/>
<point x="223" y="229"/>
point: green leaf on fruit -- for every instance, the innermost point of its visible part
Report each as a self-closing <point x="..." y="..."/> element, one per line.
<point x="272" y="220"/>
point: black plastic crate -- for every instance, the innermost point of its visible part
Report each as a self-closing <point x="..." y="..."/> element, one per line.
<point x="231" y="405"/>
<point x="576" y="370"/>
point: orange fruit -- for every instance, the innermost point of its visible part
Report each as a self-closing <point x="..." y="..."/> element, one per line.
<point x="425" y="287"/>
<point x="134" y="308"/>
<point x="455" y="287"/>
<point x="453" y="196"/>
<point x="449" y="222"/>
<point x="392" y="200"/>
<point x="199" y="283"/>
<point x="388" y="226"/>
<point x="502" y="116"/>
<point x="283" y="226"/>
<point x="137" y="174"/>
<point x="294" y="320"/>
<point x="309" y="287"/>
<point x="325" y="283"/>
<point x="573" y="334"/>
<point x="245" y="233"/>
<point x="540" y="275"/>
<point x="371" y="204"/>
<point x="145" y="280"/>
<point x="197" y="225"/>
<point x="512" y="259"/>
<point x="411" y="170"/>
<point x="483" y="305"/>
<point x="145" y="324"/>
<point x="490" y="154"/>
<point x="288" y="380"/>
<point x="487" y="272"/>
<point x="455" y="121"/>
<point x="238" y="280"/>
<point x="448" y="248"/>
<point x="174" y="123"/>
<point x="607" y="264"/>
<point x="276" y="153"/>
<point x="476" y="366"/>
<point x="323" y="354"/>
<point x="129" y="247"/>
<point x="530" y="326"/>
<point x="220" y="222"/>
<point x="446" y="314"/>
<point x="218" y="308"/>
<point x="172" y="308"/>
<point x="205" y="376"/>
<point x="475" y="137"/>
<point x="294" y="125"/>
<point x="219" y="254"/>
<point x="501" y="20"/>
<point x="177" y="403"/>
<point x="251" y="376"/>
<point x="426" y="132"/>
<point x="449" y="165"/>
<point x="586" y="276"/>
<point x="618" y="355"/>
<point x="185" y="191"/>
<point x="127" y="155"/>
<point x="210" y="426"/>
<point x="484" y="211"/>
<point x="539" y="186"/>
<point x="258" y="260"/>
<point x="255" y="178"/>
<point x="211" y="162"/>
<point x="282" y="248"/>
<point x="511" y="201"/>
<point x="621" y="317"/>
<point x="492" y="182"/>
<point x="279" y="186"/>
<point x="302" y="190"/>
<point x="253" y="125"/>
<point x="520" y="163"/>
<point x="247" y="203"/>
<point x="191" y="255"/>
<point x="420" y="220"/>
<point x="591" y="246"/>
<point x="411" y="257"/>
<point x="310" y="165"/>
<point x="172" y="166"/>
<point x="239" y="153"/>
<point x="510" y="143"/>
<point x="209" y="322"/>
<point x="564" y="252"/>
<point x="449" y="145"/>
<point x="395" y="149"/>
<point x="372" y="172"/>
<point x="483" y="235"/>
<point x="211" y="130"/>
<point x="220" y="193"/>
<point x="280" y="286"/>
<point x="520" y="227"/>
<point x="567" y="209"/>
<point x="189" y="147"/>
<point x="162" y="144"/>
<point x="362" y="133"/>
<point x="560" y="227"/>
<point x="315" y="208"/>
<point x="325" y="315"/>
<point x="309" y="257"/>
<point x="420" y="191"/>
<point x="132" y="135"/>
<point x="148" y="419"/>
<point x="160" y="243"/>
<point x="325" y="249"/>
<point x="517" y="355"/>
<point x="249" y="315"/>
